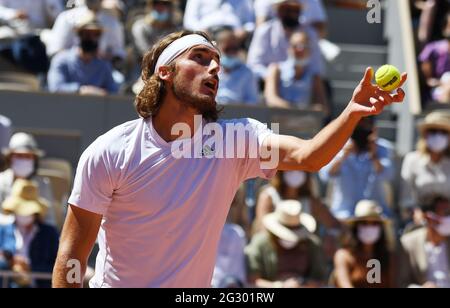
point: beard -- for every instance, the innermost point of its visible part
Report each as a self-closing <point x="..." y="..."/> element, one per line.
<point x="205" y="105"/>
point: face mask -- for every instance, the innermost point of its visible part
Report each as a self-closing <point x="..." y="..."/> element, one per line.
<point x="437" y="143"/>
<point x="289" y="22"/>
<point x="294" y="179"/>
<point x="160" y="16"/>
<point x="302" y="62"/>
<point x="22" y="168"/>
<point x="24" y="221"/>
<point x="444" y="227"/>
<point x="89" y="46"/>
<point x="229" y="62"/>
<point x="369" y="235"/>
<point x="287" y="244"/>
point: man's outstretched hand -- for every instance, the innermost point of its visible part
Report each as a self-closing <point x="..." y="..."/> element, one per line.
<point x="368" y="99"/>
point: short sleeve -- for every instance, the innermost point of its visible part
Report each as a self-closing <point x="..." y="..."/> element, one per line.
<point x="252" y="165"/>
<point x="427" y="53"/>
<point x="93" y="185"/>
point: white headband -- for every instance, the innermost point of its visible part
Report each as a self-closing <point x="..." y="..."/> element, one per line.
<point x="176" y="48"/>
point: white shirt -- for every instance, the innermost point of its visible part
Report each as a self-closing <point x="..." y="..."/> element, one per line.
<point x="422" y="178"/>
<point x="162" y="217"/>
<point x="438" y="267"/>
<point x="231" y="258"/>
<point x="63" y="35"/>
<point x="313" y="10"/>
<point x="41" y="13"/>
<point x="203" y="14"/>
<point x="23" y="241"/>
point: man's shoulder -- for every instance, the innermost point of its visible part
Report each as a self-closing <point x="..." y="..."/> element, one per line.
<point x="413" y="239"/>
<point x="114" y="141"/>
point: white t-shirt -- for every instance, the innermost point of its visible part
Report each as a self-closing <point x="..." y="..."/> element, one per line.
<point x="162" y="216"/>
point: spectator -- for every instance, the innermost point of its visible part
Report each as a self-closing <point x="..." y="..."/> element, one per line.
<point x="5" y="135"/>
<point x="435" y="65"/>
<point x="370" y="241"/>
<point x="433" y="13"/>
<point x="313" y="14"/>
<point x="22" y="157"/>
<point x="426" y="252"/>
<point x="203" y="15"/>
<point x="427" y="170"/>
<point x="39" y="14"/>
<point x="237" y="85"/>
<point x="270" y="42"/>
<point x="288" y="255"/>
<point x="159" y="21"/>
<point x="28" y="244"/>
<point x="293" y="185"/>
<point x="63" y="36"/>
<point x="230" y="265"/>
<point x="294" y="82"/>
<point x="360" y="171"/>
<point x="80" y="70"/>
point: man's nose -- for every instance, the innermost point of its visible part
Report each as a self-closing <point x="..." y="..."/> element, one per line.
<point x="214" y="67"/>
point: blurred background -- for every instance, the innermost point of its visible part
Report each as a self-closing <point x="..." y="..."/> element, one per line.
<point x="69" y="72"/>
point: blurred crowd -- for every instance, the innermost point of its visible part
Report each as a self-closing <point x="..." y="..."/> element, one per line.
<point x="298" y="230"/>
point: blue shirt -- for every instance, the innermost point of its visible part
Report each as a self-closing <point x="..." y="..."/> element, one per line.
<point x="68" y="73"/>
<point x="358" y="181"/>
<point x="296" y="91"/>
<point x="238" y="86"/>
<point x="270" y="45"/>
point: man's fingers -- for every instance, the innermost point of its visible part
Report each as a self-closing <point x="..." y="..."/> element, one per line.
<point x="368" y="76"/>
<point x="404" y="78"/>
<point x="386" y="97"/>
<point x="399" y="97"/>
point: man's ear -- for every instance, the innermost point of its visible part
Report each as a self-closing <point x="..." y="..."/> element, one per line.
<point x="165" y="73"/>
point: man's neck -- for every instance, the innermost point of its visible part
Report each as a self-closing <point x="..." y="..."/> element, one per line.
<point x="85" y="57"/>
<point x="173" y="111"/>
<point x="435" y="238"/>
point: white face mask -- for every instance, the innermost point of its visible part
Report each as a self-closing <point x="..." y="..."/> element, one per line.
<point x="437" y="143"/>
<point x="22" y="167"/>
<point x="294" y="179"/>
<point x="24" y="221"/>
<point x="369" y="235"/>
<point x="444" y="227"/>
<point x="288" y="245"/>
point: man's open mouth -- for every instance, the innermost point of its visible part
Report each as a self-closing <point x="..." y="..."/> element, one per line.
<point x="212" y="84"/>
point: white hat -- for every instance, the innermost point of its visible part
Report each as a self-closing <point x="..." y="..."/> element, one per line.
<point x="288" y="216"/>
<point x="22" y="143"/>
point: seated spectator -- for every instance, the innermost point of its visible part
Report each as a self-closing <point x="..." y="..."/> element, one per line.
<point x="204" y="15"/>
<point x="22" y="159"/>
<point x="63" y="36"/>
<point x="288" y="254"/>
<point x="293" y="185"/>
<point x="80" y="70"/>
<point x="159" y="21"/>
<point x="435" y="65"/>
<point x="38" y="14"/>
<point x="313" y="13"/>
<point x="27" y="245"/>
<point x="360" y="171"/>
<point x="5" y="135"/>
<point x="427" y="170"/>
<point x="371" y="240"/>
<point x="237" y="85"/>
<point x="426" y="252"/>
<point x="230" y="271"/>
<point x="270" y="42"/>
<point x="294" y="82"/>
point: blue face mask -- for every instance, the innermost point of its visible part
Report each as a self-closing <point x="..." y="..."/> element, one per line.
<point x="161" y="17"/>
<point x="229" y="62"/>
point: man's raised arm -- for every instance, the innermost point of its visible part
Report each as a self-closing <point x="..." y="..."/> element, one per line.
<point x="312" y="155"/>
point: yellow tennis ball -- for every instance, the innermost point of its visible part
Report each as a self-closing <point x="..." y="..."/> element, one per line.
<point x="388" y="78"/>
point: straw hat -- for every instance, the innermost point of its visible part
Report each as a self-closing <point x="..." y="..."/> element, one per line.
<point x="22" y="143"/>
<point x="368" y="210"/>
<point x="288" y="216"/>
<point x="89" y="22"/>
<point x="25" y="200"/>
<point x="436" y="120"/>
<point x="277" y="2"/>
